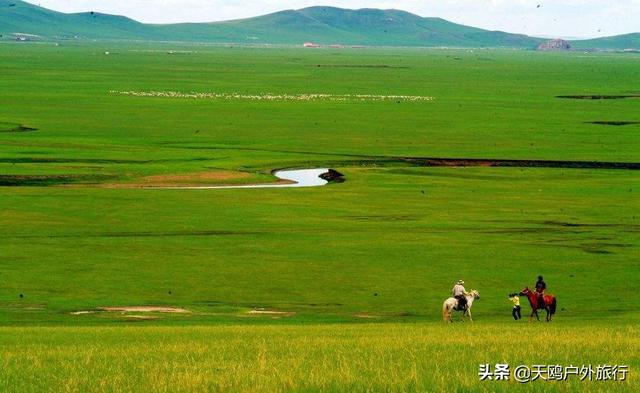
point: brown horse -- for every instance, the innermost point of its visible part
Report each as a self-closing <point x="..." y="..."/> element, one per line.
<point x="549" y="304"/>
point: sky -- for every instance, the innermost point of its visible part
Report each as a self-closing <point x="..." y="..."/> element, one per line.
<point x="542" y="18"/>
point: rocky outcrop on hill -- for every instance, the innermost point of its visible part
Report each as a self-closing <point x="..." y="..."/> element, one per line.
<point x="557" y="44"/>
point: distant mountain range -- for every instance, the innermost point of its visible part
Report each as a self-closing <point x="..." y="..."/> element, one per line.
<point x="321" y="25"/>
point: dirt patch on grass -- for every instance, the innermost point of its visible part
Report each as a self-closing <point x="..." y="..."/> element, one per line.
<point x="124" y="312"/>
<point x="160" y="309"/>
<point x="613" y="123"/>
<point x="600" y="96"/>
<point x="184" y="180"/>
<point x="139" y="318"/>
<point x="197" y="177"/>
<point x="366" y="316"/>
<point x="271" y="313"/>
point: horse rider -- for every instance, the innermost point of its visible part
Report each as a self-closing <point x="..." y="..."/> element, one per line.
<point x="459" y="293"/>
<point x="540" y="288"/>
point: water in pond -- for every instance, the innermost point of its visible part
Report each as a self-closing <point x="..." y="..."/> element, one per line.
<point x="299" y="177"/>
<point x="303" y="177"/>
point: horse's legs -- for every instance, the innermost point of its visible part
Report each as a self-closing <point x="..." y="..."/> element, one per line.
<point x="534" y="312"/>
<point x="469" y="314"/>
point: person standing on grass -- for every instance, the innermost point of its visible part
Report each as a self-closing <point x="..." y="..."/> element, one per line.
<point x="515" y="299"/>
<point x="540" y="288"/>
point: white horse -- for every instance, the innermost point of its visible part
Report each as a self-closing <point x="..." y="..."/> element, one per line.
<point x="451" y="304"/>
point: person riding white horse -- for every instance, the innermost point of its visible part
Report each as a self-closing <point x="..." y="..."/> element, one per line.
<point x="459" y="294"/>
<point x="452" y="304"/>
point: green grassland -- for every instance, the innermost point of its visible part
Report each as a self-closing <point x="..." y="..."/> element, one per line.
<point x="359" y="270"/>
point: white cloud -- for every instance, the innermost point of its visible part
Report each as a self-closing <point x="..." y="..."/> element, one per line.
<point x="562" y="18"/>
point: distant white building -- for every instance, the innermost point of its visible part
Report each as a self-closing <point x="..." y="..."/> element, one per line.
<point x="310" y="45"/>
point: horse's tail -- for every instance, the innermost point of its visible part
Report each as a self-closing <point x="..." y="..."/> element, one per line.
<point x="552" y="306"/>
<point x="445" y="313"/>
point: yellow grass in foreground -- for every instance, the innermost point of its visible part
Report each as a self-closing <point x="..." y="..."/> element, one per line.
<point x="372" y="357"/>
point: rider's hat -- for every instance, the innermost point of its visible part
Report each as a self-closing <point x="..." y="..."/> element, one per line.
<point x="460" y="282"/>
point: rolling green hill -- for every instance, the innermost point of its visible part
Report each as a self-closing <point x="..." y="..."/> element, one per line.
<point x="323" y="25"/>
<point x="625" y="41"/>
<point x="21" y="17"/>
